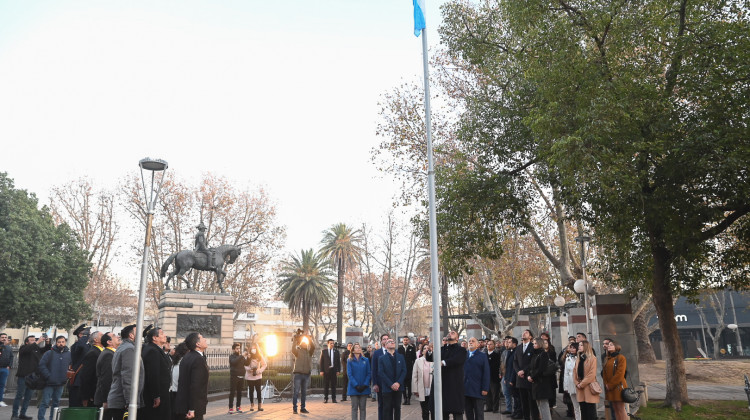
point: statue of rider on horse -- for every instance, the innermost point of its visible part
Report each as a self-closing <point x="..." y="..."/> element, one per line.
<point x="202" y="258"/>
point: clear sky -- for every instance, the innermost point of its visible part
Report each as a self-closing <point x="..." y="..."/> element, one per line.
<point x="279" y="94"/>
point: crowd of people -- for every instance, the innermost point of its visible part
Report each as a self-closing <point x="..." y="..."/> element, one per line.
<point x="521" y="378"/>
<point x="98" y="370"/>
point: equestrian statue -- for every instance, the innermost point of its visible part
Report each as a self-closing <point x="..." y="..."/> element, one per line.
<point x="202" y="258"/>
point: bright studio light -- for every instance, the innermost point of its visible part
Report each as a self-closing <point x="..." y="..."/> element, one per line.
<point x="272" y="345"/>
<point x="304" y="340"/>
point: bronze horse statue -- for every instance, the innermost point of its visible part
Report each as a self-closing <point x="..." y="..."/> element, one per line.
<point x="186" y="260"/>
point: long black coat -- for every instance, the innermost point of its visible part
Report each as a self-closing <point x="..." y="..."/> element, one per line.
<point x="88" y="374"/>
<point x="158" y="376"/>
<point x="542" y="388"/>
<point x="454" y="357"/>
<point x="410" y="355"/>
<point x="192" y="387"/>
<point x="522" y="362"/>
<point x="103" y="376"/>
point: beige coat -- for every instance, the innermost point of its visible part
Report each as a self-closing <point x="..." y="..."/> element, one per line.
<point x="417" y="383"/>
<point x="589" y="375"/>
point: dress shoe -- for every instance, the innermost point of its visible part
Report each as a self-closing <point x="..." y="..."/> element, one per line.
<point x="294" y="411"/>
<point x="334" y="401"/>
<point x="325" y="401"/>
<point x="304" y="411"/>
<point x="506" y="412"/>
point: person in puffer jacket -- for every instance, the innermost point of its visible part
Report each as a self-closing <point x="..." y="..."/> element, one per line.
<point x="54" y="368"/>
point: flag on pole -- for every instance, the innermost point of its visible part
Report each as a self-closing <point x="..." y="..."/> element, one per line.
<point x="419" y="23"/>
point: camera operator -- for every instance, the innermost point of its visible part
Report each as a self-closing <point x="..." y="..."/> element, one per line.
<point x="302" y="351"/>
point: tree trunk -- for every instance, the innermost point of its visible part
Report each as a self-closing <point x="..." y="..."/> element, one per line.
<point x="677" y="395"/>
<point x="340" y="304"/>
<point x="645" y="351"/>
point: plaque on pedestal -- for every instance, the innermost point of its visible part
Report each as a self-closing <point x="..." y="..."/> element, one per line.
<point x="210" y="314"/>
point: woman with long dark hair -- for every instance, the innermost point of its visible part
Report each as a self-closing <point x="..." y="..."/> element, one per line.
<point x="179" y="352"/>
<point x="541" y="383"/>
<point x="254" y="374"/>
<point x="613" y="376"/>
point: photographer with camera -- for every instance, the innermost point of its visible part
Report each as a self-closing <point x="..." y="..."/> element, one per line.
<point x="302" y="350"/>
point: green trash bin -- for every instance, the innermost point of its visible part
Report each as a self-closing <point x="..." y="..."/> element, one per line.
<point x="79" y="413"/>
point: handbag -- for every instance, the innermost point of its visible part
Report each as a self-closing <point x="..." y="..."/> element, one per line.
<point x="628" y="394"/>
<point x="595" y="388"/>
<point x="71" y="374"/>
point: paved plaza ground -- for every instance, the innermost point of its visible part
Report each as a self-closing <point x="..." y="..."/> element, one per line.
<point x="217" y="409"/>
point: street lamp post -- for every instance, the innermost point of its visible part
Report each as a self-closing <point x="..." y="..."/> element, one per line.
<point x="150" y="195"/>
<point x="584" y="283"/>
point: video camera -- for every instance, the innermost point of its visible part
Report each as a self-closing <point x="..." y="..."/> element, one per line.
<point x="297" y="337"/>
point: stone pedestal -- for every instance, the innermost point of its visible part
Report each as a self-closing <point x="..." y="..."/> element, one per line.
<point x="522" y="325"/>
<point x="354" y="335"/>
<point x="210" y="314"/>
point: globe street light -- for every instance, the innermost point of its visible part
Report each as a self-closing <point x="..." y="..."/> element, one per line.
<point x="150" y="196"/>
<point x="583" y="287"/>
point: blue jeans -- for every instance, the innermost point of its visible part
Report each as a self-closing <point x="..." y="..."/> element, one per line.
<point x="508" y="393"/>
<point x="24" y="394"/>
<point x="53" y="392"/>
<point x="4" y="372"/>
<point x="300" y="384"/>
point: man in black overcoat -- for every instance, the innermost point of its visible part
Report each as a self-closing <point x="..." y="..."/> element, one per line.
<point x="494" y="356"/>
<point x="410" y="355"/>
<point x="453" y="359"/>
<point x="77" y="351"/>
<point x="157" y="376"/>
<point x="521" y="364"/>
<point x="192" y="387"/>
<point x="88" y="370"/>
<point x="330" y="366"/>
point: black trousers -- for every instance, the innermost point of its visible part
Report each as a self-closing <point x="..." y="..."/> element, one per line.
<point x="346" y="385"/>
<point x="329" y="381"/>
<point x="254" y="387"/>
<point x="391" y="405"/>
<point x="493" y="397"/>
<point x="474" y="408"/>
<point x="236" y="386"/>
<point x="427" y="413"/>
<point x="528" y="405"/>
<point x="406" y="389"/>
<point x="114" y="413"/>
<point x="74" y="396"/>
<point x="588" y="411"/>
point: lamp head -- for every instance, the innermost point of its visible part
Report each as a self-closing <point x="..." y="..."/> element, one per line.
<point x="155" y="165"/>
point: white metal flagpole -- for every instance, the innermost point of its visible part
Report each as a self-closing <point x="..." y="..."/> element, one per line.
<point x="436" y="338"/>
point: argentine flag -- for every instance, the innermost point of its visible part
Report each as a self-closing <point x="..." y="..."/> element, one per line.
<point x="418" y="17"/>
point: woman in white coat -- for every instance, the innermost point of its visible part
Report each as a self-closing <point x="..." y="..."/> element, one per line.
<point x="568" y="384"/>
<point x="421" y="380"/>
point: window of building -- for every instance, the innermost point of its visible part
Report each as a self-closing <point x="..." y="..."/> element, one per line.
<point x="277" y="311"/>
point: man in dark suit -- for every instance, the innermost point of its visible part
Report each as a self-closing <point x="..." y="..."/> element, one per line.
<point x="330" y="366"/>
<point x="376" y="355"/>
<point x="157" y="376"/>
<point x="110" y="342"/>
<point x="192" y="387"/>
<point x="88" y="370"/>
<point x="392" y="373"/>
<point x="521" y="364"/>
<point x="77" y="351"/>
<point x="410" y="355"/>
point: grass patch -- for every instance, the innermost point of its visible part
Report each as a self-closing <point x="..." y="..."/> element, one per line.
<point x="699" y="409"/>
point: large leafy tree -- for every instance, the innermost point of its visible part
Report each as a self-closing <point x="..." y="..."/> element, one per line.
<point x="305" y="285"/>
<point x="342" y="245"/>
<point x="43" y="271"/>
<point x="635" y="112"/>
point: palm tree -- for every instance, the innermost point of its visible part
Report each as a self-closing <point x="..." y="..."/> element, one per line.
<point x="341" y="245"/>
<point x="305" y="285"/>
